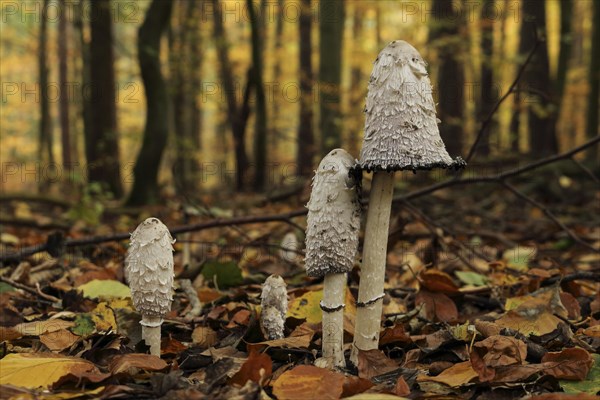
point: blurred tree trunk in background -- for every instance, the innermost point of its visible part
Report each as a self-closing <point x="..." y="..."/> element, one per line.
<point x="445" y="36"/>
<point x="45" y="155"/>
<point x="260" y="121"/>
<point x="184" y="66"/>
<point x="102" y="146"/>
<point x="593" y="106"/>
<point x="488" y="96"/>
<point x="536" y="84"/>
<point x="145" y="186"/>
<point x="566" y="14"/>
<point x="331" y="29"/>
<point x="238" y="117"/>
<point x="274" y="106"/>
<point x="357" y="95"/>
<point x="306" y="141"/>
<point x="63" y="79"/>
<point x="82" y="48"/>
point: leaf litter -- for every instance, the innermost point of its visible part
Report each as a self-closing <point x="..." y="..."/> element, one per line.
<point x="522" y="324"/>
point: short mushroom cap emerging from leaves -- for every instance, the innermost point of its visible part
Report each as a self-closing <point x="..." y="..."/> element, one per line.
<point x="149" y="268"/>
<point x="333" y="217"/>
<point x="274" y="303"/>
<point x="401" y="127"/>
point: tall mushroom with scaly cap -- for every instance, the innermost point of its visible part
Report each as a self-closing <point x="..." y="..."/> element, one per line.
<point x="401" y="133"/>
<point x="333" y="225"/>
<point x="149" y="271"/>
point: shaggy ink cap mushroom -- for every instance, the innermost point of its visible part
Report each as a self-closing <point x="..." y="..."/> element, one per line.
<point x="274" y="303"/>
<point x="149" y="269"/>
<point x="333" y="218"/>
<point x="401" y="127"/>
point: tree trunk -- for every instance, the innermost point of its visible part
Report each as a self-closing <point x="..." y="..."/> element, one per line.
<point x="331" y="29"/>
<point x="306" y="142"/>
<point x="594" y="94"/>
<point x="274" y="133"/>
<point x="488" y="95"/>
<point x="64" y="98"/>
<point x="260" y="126"/>
<point x="145" y="188"/>
<point x="566" y="15"/>
<point x="444" y="34"/>
<point x="83" y="74"/>
<point x="357" y="94"/>
<point x="195" y="113"/>
<point x="237" y="117"/>
<point x="102" y="146"/>
<point x="541" y="110"/>
<point x="45" y="154"/>
<point x="184" y="78"/>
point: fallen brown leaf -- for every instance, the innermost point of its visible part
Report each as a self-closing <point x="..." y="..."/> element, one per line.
<point x="457" y="375"/>
<point x="355" y="385"/>
<point x="289" y="342"/>
<point x="257" y="367"/>
<point x="573" y="364"/>
<point x="307" y="381"/>
<point x="437" y="306"/>
<point x="402" y="388"/>
<point x="438" y="281"/>
<point x="129" y="362"/>
<point x="394" y="334"/>
<point x="372" y="363"/>
<point x="495" y="352"/>
<point x="58" y="340"/>
<point x="204" y="336"/>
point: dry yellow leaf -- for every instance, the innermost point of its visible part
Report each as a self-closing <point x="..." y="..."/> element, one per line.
<point x="34" y="370"/>
<point x="455" y="376"/>
<point x="104" y="318"/>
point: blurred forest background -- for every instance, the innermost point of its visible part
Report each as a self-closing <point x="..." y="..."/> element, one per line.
<point x="153" y="98"/>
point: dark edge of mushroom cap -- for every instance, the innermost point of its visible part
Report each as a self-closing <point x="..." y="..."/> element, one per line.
<point x="457" y="164"/>
<point x="401" y="128"/>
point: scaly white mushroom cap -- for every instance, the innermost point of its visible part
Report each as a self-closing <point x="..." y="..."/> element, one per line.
<point x="401" y="127"/>
<point x="333" y="220"/>
<point x="149" y="268"/>
<point x="274" y="302"/>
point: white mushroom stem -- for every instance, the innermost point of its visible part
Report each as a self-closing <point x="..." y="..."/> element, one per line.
<point x="151" y="333"/>
<point x="372" y="275"/>
<point x="334" y="293"/>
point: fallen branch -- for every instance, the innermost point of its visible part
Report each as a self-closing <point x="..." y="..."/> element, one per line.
<point x="36" y="292"/>
<point x="287" y="217"/>
<point x="548" y="214"/>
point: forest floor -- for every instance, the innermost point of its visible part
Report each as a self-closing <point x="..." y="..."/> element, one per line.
<point x="486" y="297"/>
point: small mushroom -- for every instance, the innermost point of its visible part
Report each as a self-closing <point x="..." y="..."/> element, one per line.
<point x="149" y="272"/>
<point x="333" y="226"/>
<point x="401" y="133"/>
<point x="274" y="304"/>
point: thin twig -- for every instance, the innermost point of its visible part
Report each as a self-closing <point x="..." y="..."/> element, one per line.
<point x="493" y="111"/>
<point x="586" y="170"/>
<point x="548" y="214"/>
<point x="30" y="290"/>
<point x="496" y="179"/>
<point x="432" y="228"/>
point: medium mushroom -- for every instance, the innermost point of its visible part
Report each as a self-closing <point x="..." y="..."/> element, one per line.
<point x="149" y="271"/>
<point x="274" y="303"/>
<point x="333" y="226"/>
<point x="401" y="133"/>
